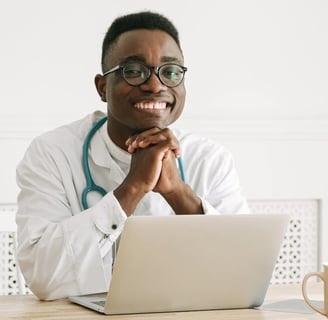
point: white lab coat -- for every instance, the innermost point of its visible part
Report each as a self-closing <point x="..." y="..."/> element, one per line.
<point x="62" y="249"/>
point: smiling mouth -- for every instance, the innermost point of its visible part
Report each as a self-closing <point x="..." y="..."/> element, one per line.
<point x="151" y="105"/>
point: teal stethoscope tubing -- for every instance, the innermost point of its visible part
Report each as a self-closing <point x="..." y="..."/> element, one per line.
<point x="91" y="186"/>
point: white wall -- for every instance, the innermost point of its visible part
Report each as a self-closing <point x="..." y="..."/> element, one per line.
<point x="258" y="79"/>
<point x="247" y="59"/>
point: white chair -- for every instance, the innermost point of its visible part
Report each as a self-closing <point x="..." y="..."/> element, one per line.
<point x="11" y="279"/>
<point x="299" y="253"/>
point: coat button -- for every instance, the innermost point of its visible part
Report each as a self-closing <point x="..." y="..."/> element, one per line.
<point x="114" y="226"/>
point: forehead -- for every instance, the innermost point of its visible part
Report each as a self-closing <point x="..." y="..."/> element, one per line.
<point x="151" y="46"/>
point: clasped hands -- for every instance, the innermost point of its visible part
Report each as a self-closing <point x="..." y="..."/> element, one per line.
<point x="153" y="164"/>
<point x="154" y="168"/>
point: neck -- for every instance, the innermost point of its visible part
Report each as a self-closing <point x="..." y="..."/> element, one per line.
<point x="119" y="136"/>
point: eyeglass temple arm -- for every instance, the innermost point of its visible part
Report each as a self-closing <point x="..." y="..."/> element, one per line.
<point x="111" y="70"/>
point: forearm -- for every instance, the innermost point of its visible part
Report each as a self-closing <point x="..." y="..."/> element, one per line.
<point x="128" y="197"/>
<point x="184" y="201"/>
<point x="57" y="258"/>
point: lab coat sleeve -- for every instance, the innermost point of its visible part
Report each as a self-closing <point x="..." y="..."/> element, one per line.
<point x="58" y="247"/>
<point x="208" y="209"/>
<point x="222" y="193"/>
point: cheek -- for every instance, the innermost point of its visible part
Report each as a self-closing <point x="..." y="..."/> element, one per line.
<point x="118" y="100"/>
<point x="181" y="97"/>
<point x="117" y="91"/>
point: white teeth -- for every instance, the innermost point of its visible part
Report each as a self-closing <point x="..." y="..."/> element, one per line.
<point x="150" y="105"/>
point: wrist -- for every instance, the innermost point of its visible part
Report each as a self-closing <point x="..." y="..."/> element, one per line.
<point x="128" y="196"/>
<point x="183" y="200"/>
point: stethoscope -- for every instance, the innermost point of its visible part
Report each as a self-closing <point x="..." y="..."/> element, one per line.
<point x="91" y="186"/>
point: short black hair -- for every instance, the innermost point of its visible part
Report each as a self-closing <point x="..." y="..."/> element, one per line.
<point x="141" y="20"/>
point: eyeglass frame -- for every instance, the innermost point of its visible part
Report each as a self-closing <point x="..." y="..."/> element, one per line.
<point x="151" y="69"/>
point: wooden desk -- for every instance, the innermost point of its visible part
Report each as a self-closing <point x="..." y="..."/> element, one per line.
<point x="29" y="308"/>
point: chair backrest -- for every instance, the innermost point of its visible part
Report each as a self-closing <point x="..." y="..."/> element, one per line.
<point x="11" y="279"/>
<point x="7" y="218"/>
<point x="299" y="253"/>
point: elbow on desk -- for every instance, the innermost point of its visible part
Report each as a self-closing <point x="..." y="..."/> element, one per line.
<point x="48" y="288"/>
<point x="43" y="279"/>
<point x="52" y="280"/>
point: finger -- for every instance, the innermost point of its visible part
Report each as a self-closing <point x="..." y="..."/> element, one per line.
<point x="158" y="140"/>
<point x="152" y="137"/>
<point x="173" y="141"/>
<point x="142" y="135"/>
<point x="166" y="145"/>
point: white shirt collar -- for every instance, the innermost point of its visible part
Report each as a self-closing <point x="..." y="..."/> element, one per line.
<point x="106" y="153"/>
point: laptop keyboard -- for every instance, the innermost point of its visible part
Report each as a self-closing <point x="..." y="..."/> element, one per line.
<point x="99" y="303"/>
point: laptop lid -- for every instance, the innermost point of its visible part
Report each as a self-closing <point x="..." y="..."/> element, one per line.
<point x="194" y="262"/>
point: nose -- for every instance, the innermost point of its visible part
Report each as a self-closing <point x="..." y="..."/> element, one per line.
<point x="153" y="84"/>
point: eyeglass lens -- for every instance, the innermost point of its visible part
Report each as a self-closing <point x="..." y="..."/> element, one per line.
<point x="169" y="74"/>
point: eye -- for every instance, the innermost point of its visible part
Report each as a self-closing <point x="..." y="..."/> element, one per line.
<point x="172" y="72"/>
<point x="135" y="70"/>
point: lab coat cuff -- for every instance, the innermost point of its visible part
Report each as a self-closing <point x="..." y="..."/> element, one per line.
<point x="208" y="209"/>
<point x="79" y="233"/>
<point x="109" y="216"/>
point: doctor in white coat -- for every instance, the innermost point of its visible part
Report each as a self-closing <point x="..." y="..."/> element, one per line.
<point x="66" y="238"/>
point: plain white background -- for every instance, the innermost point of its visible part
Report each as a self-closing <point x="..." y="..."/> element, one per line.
<point x="257" y="82"/>
<point x="247" y="59"/>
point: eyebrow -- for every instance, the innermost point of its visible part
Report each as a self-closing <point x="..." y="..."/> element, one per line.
<point x="141" y="58"/>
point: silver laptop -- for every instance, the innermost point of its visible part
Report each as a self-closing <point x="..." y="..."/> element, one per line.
<point x="191" y="262"/>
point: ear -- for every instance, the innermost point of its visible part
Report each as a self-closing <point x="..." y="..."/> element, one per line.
<point x="100" y="82"/>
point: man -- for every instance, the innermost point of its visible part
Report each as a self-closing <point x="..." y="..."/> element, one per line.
<point x="66" y="235"/>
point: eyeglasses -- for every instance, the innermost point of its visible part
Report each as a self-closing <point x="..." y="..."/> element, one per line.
<point x="136" y="73"/>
